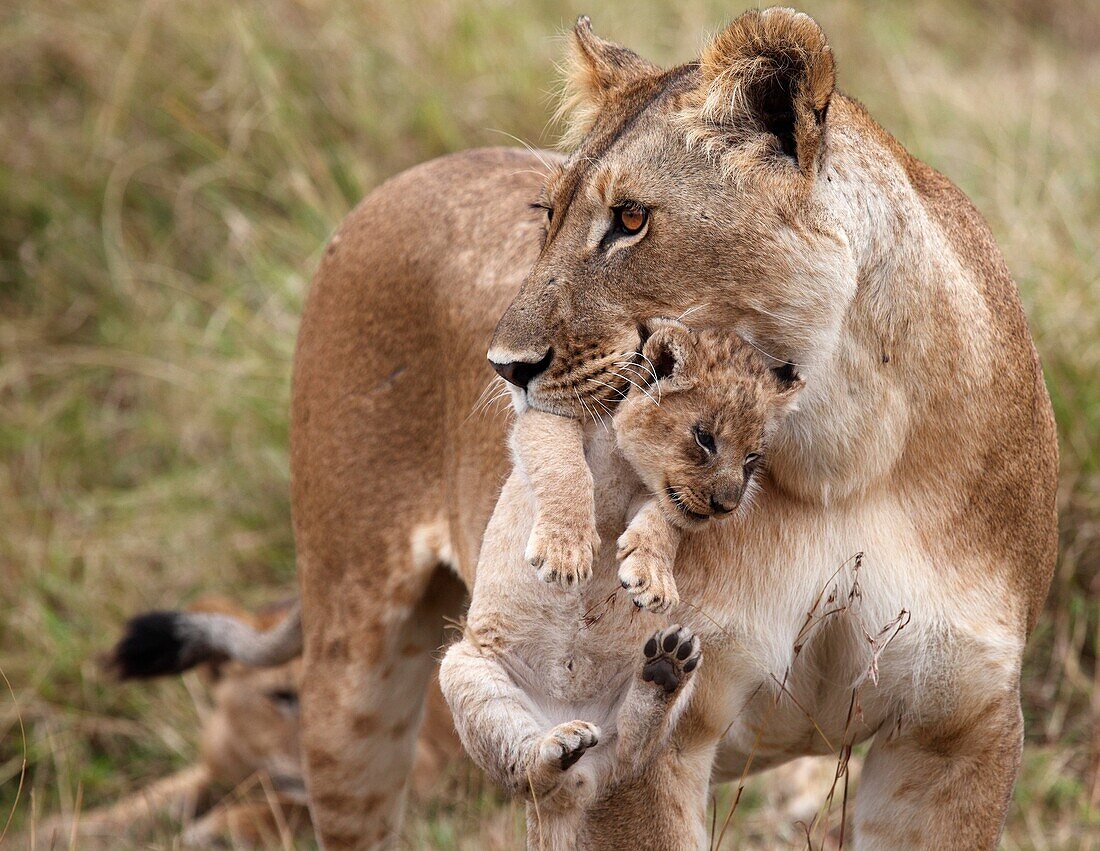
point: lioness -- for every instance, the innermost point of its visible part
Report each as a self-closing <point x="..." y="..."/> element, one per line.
<point x="744" y="188"/>
<point x="529" y="696"/>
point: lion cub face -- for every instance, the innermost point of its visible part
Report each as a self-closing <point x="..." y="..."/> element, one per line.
<point x="697" y="427"/>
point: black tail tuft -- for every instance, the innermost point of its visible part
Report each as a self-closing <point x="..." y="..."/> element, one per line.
<point x="153" y="645"/>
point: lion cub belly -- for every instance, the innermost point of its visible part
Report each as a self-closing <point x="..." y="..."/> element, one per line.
<point x="572" y="653"/>
<point x="576" y="656"/>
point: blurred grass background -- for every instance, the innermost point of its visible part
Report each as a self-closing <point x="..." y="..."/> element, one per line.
<point x="168" y="174"/>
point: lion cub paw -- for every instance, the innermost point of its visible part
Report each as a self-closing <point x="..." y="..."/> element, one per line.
<point x="566" y="743"/>
<point x="645" y="574"/>
<point x="561" y="551"/>
<point x="671" y="656"/>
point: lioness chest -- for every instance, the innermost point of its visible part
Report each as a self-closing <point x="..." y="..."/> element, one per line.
<point x="822" y="627"/>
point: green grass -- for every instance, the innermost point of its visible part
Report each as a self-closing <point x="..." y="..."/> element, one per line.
<point x="168" y="173"/>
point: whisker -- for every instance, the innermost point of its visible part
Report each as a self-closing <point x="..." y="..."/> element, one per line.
<point x="639" y="374"/>
<point x="580" y="400"/>
<point x="503" y="394"/>
<point x="653" y="372"/>
<point x="606" y="410"/>
<point x="594" y="415"/>
<point x="769" y="313"/>
<point x="487" y="389"/>
<point x="496" y="409"/>
<point x="692" y="310"/>
<point x="641" y="389"/>
<point x="627" y="364"/>
<point x="492" y="393"/>
<point x="769" y="354"/>
<point x="747" y="502"/>
<point x="626" y="378"/>
<point x="528" y="171"/>
<point x="530" y="150"/>
<point x="622" y="395"/>
<point x="597" y="413"/>
<point x="649" y="363"/>
<point x="505" y="397"/>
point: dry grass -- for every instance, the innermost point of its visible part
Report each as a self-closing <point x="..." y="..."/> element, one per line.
<point x="167" y="174"/>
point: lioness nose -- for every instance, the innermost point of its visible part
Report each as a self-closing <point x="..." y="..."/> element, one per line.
<point x="521" y="372"/>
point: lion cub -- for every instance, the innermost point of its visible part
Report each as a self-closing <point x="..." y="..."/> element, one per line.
<point x="688" y="442"/>
<point x="694" y="427"/>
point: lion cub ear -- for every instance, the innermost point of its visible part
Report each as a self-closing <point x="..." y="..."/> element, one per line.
<point x="768" y="76"/>
<point x="790" y="382"/>
<point x="667" y="352"/>
<point x="593" y="69"/>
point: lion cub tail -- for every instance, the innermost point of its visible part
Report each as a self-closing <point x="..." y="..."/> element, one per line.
<point x="159" y="643"/>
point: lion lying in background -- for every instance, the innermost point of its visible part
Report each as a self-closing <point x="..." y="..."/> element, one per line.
<point x="247" y="784"/>
<point x="246" y="787"/>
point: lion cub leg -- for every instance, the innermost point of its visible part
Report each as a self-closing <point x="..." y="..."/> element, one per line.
<point x="549" y="450"/>
<point x="647" y="553"/>
<point x="493" y="718"/>
<point x="656" y="696"/>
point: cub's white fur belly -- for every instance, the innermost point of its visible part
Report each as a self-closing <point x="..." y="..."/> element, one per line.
<point x="572" y="653"/>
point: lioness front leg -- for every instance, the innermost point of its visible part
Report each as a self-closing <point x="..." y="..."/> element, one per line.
<point x="550" y="451"/>
<point x="493" y="718"/>
<point x="647" y="554"/>
<point x="652" y="704"/>
<point x="941" y="786"/>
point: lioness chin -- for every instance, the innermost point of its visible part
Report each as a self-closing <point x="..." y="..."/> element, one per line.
<point x="744" y="190"/>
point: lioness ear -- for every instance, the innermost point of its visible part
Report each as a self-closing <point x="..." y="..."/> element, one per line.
<point x="769" y="72"/>
<point x="667" y="351"/>
<point x="593" y="69"/>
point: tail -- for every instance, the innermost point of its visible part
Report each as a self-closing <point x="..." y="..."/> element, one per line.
<point x="155" y="644"/>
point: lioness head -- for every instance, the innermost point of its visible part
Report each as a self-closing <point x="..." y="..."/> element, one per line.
<point x="696" y="423"/>
<point x="696" y="189"/>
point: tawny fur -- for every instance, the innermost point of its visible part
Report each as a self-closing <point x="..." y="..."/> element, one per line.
<point x="924" y="438"/>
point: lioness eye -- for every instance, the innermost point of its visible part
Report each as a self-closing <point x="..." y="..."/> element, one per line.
<point x="705" y="440"/>
<point x="751" y="459"/>
<point x="630" y="217"/>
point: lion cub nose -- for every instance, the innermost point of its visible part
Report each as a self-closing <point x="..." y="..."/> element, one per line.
<point x="521" y="372"/>
<point x="719" y="506"/>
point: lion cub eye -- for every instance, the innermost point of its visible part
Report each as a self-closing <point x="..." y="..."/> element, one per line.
<point x="752" y="459"/>
<point x="284" y="698"/>
<point x="546" y="208"/>
<point x="630" y="218"/>
<point x="705" y="440"/>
